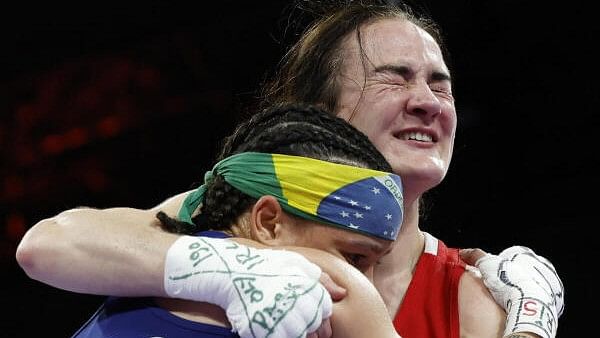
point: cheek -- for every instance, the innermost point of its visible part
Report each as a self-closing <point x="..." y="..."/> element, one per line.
<point x="381" y="141"/>
<point x="377" y="133"/>
<point x="299" y="235"/>
<point x="449" y="125"/>
<point x="378" y="111"/>
<point x="316" y="237"/>
<point x="449" y="117"/>
<point x="372" y="122"/>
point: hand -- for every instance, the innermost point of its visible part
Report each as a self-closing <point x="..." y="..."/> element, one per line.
<point x="337" y="293"/>
<point x="525" y="284"/>
<point x="264" y="292"/>
<point x="324" y="331"/>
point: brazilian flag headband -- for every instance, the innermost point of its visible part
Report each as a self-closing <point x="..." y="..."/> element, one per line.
<point x="357" y="199"/>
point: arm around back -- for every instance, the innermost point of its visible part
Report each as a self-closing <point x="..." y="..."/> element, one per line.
<point x="100" y="251"/>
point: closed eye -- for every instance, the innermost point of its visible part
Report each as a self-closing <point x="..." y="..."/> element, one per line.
<point x="356" y="260"/>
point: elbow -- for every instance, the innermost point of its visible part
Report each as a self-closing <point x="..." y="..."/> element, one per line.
<point x="25" y="256"/>
<point x="33" y="248"/>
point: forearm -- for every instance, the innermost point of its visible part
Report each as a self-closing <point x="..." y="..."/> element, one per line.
<point x="98" y="252"/>
<point x="115" y="251"/>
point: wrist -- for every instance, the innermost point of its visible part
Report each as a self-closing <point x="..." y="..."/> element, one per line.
<point x="195" y="271"/>
<point x="531" y="315"/>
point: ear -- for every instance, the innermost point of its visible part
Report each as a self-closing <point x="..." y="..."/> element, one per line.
<point x="266" y="221"/>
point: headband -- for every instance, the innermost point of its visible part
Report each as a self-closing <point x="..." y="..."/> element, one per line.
<point x="353" y="198"/>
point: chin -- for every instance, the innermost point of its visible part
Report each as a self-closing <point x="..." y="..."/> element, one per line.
<point x="419" y="178"/>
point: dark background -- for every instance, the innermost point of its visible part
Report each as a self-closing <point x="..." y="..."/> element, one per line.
<point x="124" y="105"/>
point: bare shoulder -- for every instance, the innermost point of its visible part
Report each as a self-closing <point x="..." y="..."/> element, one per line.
<point x="172" y="204"/>
<point x="480" y="316"/>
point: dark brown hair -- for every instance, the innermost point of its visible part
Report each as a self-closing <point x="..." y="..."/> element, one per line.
<point x="308" y="70"/>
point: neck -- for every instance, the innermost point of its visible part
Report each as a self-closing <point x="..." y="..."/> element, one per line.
<point x="409" y="245"/>
<point x="395" y="272"/>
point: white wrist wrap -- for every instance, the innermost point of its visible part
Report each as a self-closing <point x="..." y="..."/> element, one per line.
<point x="264" y="292"/>
<point x="527" y="286"/>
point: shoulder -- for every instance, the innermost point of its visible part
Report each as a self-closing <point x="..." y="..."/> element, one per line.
<point x="171" y="205"/>
<point x="480" y="315"/>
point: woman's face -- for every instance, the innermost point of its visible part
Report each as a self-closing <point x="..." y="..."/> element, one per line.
<point x="403" y="102"/>
<point x="361" y="251"/>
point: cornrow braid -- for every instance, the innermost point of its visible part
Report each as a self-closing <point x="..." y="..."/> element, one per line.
<point x="291" y="129"/>
<point x="309" y="120"/>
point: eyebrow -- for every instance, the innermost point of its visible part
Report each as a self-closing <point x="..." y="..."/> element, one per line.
<point x="406" y="71"/>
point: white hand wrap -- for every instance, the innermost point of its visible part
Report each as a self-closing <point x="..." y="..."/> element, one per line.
<point x="527" y="286"/>
<point x="264" y="292"/>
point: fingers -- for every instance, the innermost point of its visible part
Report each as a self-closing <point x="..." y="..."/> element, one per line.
<point x="471" y="256"/>
<point x="324" y="331"/>
<point x="337" y="292"/>
<point x="515" y="250"/>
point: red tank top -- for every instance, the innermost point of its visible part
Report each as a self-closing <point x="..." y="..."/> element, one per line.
<point x="430" y="306"/>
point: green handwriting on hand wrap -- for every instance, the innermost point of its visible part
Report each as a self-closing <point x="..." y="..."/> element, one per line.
<point x="199" y="254"/>
<point x="270" y="316"/>
<point x="267" y="285"/>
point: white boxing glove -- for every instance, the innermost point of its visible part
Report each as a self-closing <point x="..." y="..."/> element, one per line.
<point x="527" y="286"/>
<point x="265" y="292"/>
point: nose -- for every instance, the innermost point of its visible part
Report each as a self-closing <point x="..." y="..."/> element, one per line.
<point x="423" y="102"/>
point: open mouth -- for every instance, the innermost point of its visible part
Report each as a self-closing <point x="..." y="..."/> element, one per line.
<point x="416" y="136"/>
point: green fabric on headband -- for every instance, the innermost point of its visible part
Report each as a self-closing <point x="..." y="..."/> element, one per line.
<point x="252" y="173"/>
<point x="353" y="198"/>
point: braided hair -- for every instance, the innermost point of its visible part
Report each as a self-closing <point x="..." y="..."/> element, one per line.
<point x="290" y="129"/>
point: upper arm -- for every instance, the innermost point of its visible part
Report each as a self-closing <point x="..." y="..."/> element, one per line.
<point x="480" y="315"/>
<point x="171" y="205"/>
<point x="362" y="312"/>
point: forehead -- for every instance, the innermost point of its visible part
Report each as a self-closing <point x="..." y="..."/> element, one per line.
<point x="395" y="41"/>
